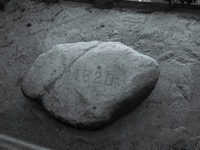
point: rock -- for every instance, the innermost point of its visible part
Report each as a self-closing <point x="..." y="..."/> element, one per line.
<point x="89" y="85"/>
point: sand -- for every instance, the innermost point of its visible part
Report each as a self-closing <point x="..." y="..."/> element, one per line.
<point x="167" y="120"/>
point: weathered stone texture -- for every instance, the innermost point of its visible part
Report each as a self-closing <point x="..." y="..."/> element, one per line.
<point x="90" y="84"/>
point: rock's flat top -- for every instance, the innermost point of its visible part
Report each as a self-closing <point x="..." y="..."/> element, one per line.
<point x="90" y="84"/>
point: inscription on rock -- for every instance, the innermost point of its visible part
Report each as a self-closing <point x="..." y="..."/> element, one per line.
<point x="102" y="82"/>
<point x="95" y="76"/>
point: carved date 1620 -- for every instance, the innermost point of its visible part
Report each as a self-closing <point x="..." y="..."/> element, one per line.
<point x="95" y="77"/>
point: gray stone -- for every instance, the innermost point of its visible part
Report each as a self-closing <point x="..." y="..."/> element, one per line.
<point x="89" y="85"/>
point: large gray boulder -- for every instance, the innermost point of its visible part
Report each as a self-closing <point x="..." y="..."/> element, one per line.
<point x="88" y="85"/>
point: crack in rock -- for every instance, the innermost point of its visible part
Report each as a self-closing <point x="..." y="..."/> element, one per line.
<point x="51" y="85"/>
<point x="82" y="54"/>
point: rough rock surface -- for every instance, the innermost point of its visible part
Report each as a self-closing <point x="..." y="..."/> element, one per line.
<point x="90" y="84"/>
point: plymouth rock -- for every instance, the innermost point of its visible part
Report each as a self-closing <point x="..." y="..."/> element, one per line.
<point x="89" y="85"/>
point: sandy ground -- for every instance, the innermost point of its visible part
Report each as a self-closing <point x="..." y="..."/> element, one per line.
<point x="169" y="119"/>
